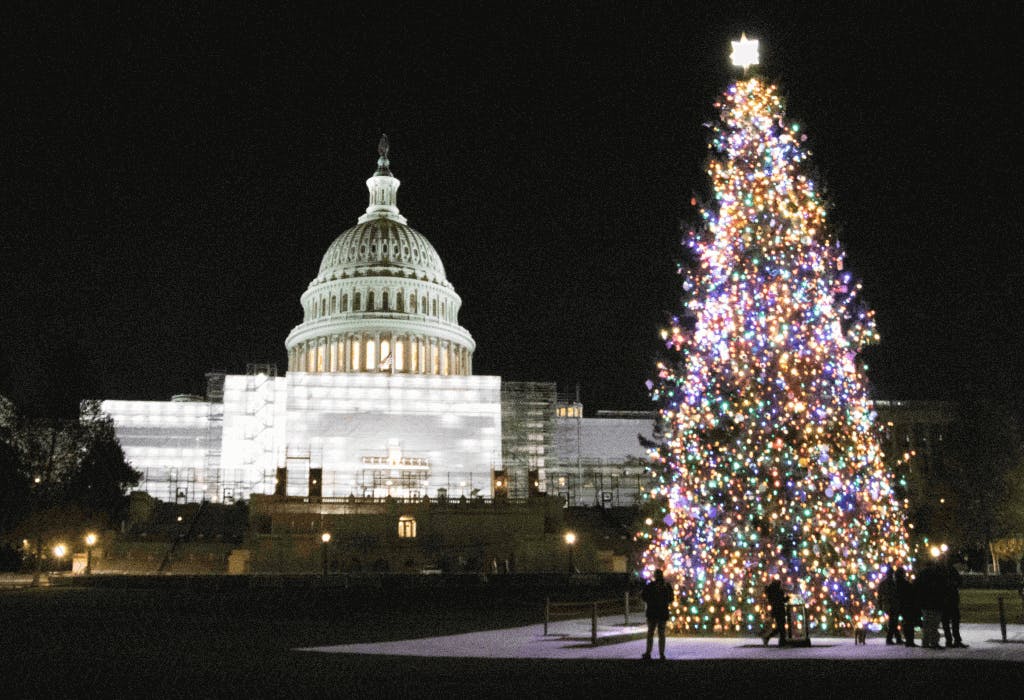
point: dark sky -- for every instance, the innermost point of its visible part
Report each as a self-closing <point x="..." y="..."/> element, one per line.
<point x="174" y="176"/>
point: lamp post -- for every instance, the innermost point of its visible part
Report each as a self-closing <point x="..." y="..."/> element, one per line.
<point x="325" y="539"/>
<point x="570" y="539"/>
<point x="59" y="551"/>
<point x="90" y="542"/>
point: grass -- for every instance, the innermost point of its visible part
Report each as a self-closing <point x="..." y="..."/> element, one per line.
<point x="177" y="643"/>
<point x="982" y="605"/>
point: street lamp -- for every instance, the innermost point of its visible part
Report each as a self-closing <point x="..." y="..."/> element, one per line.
<point x="325" y="539"/>
<point x="570" y="539"/>
<point x="90" y="542"/>
<point x="58" y="552"/>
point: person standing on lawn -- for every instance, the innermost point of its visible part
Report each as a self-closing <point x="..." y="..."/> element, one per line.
<point x="777" y="603"/>
<point x="910" y="608"/>
<point x="931" y="583"/>
<point x="951" y="607"/>
<point x="658" y="596"/>
<point x="889" y="602"/>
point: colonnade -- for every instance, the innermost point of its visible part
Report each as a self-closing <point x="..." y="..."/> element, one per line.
<point x="381" y="352"/>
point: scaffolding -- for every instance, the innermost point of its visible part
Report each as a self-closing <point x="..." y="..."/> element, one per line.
<point x="260" y="411"/>
<point x="527" y="434"/>
<point x="599" y="482"/>
<point x="214" y="435"/>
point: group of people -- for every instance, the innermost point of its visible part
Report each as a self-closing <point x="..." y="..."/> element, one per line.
<point x="658" y="595"/>
<point x="933" y="597"/>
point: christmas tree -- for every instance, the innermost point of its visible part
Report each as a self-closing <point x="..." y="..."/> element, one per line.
<point x="769" y="464"/>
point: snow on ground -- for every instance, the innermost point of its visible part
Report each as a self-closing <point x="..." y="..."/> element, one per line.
<point x="570" y="639"/>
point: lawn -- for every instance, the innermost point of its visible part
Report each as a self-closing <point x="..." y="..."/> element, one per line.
<point x="178" y="643"/>
<point x="982" y="605"/>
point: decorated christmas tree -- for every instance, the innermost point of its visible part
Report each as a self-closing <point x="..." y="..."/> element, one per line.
<point x="769" y="465"/>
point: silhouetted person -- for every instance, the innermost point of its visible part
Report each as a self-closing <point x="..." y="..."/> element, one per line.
<point x="889" y="602"/>
<point x="910" y="608"/>
<point x="659" y="596"/>
<point x="951" y="607"/>
<point x="777" y="605"/>
<point x="931" y="585"/>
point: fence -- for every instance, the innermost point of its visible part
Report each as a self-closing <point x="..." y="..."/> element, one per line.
<point x="562" y="610"/>
<point x="1002" y="614"/>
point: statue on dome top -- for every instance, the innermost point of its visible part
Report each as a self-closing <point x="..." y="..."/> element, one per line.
<point x="382" y="163"/>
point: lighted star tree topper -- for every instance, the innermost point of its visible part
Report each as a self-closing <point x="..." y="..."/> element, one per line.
<point x="770" y="464"/>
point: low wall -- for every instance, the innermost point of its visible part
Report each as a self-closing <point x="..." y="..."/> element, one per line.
<point x="521" y="587"/>
<point x="1001" y="581"/>
<point x="131" y="557"/>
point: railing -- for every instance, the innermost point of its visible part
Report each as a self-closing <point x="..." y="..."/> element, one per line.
<point x="378" y="500"/>
<point x="1002" y="614"/>
<point x="574" y="610"/>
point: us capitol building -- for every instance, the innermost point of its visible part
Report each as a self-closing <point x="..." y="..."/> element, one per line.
<point x="379" y="399"/>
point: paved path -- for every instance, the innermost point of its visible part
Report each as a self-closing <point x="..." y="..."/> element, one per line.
<point x="570" y="639"/>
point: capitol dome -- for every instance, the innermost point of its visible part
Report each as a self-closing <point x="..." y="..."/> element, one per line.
<point x="381" y="301"/>
<point x="387" y="246"/>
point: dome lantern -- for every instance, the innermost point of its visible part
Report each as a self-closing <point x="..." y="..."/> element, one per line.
<point x="383" y="188"/>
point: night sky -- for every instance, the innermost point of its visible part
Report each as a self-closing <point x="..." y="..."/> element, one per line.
<point x="173" y="177"/>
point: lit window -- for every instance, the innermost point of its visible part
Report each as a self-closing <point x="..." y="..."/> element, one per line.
<point x="414" y="359"/>
<point x="371" y="352"/>
<point x="407" y="526"/>
<point x="355" y="352"/>
<point x="399" y="355"/>
<point x="385" y="350"/>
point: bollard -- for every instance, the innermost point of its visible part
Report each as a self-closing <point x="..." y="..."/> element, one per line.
<point x="593" y="625"/>
<point x="1002" y="618"/>
<point x="547" y="614"/>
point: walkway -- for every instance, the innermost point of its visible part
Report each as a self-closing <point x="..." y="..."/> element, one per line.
<point x="570" y="639"/>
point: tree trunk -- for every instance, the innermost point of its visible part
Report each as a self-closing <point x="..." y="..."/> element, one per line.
<point x="44" y="482"/>
<point x="995" y="559"/>
<point x="38" y="573"/>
